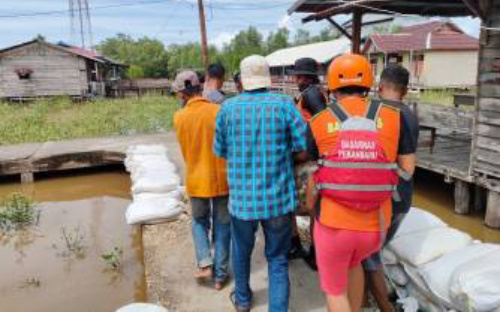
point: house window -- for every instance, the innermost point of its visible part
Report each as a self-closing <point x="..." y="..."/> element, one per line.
<point x="24" y="73"/>
<point x="418" y="65"/>
<point x="394" y="58"/>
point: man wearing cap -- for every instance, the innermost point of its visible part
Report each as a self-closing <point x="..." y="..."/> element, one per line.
<point x="310" y="101"/>
<point x="206" y="178"/>
<point x="259" y="132"/>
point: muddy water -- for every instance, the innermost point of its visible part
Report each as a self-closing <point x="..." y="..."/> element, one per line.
<point x="39" y="273"/>
<point x="434" y="195"/>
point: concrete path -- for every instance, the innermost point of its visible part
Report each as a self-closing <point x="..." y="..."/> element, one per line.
<point x="81" y="153"/>
<point x="170" y="265"/>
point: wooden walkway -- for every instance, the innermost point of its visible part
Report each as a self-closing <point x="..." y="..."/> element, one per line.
<point x="449" y="157"/>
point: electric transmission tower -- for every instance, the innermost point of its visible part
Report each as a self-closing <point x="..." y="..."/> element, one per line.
<point x="80" y="23"/>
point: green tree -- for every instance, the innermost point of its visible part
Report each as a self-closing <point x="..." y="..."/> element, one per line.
<point x="302" y="37"/>
<point x="278" y="40"/>
<point x="148" y="54"/>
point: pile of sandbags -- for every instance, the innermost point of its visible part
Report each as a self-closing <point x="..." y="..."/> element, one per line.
<point x="156" y="189"/>
<point x="441" y="267"/>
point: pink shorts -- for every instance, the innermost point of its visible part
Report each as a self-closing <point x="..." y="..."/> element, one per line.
<point x="338" y="251"/>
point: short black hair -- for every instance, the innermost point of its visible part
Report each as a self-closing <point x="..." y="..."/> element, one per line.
<point x="216" y="70"/>
<point x="396" y="75"/>
<point x="237" y="77"/>
<point x="191" y="90"/>
<point x="354" y="90"/>
<point x="201" y="77"/>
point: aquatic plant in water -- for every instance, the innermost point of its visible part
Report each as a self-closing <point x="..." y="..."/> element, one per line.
<point x="17" y="210"/>
<point x="74" y="242"/>
<point x="113" y="259"/>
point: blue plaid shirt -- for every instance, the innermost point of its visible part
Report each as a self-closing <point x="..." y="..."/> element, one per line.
<point x="258" y="132"/>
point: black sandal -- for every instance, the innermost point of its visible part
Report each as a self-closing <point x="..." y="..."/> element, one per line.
<point x="232" y="297"/>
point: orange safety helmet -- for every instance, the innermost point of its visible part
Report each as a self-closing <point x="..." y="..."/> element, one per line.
<point x="350" y="70"/>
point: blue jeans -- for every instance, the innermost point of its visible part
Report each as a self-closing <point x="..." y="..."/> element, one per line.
<point x="207" y="211"/>
<point x="278" y="234"/>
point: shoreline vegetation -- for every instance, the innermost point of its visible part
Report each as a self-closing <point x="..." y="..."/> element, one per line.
<point x="59" y="118"/>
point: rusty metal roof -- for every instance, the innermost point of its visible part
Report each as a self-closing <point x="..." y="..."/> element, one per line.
<point x="324" y="8"/>
<point x="427" y="36"/>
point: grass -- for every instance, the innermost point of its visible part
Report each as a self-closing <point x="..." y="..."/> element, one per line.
<point x="113" y="259"/>
<point x="60" y="119"/>
<point x="17" y="210"/>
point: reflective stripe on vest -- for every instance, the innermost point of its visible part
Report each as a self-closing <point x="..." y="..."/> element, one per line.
<point x="356" y="187"/>
<point x="357" y="165"/>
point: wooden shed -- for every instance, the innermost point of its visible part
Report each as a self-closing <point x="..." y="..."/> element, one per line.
<point x="470" y="160"/>
<point x="40" y="69"/>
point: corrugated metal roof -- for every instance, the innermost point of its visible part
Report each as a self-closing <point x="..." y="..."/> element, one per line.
<point x="322" y="52"/>
<point x="428" y="36"/>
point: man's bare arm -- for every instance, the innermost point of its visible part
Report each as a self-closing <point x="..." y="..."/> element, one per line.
<point x="407" y="163"/>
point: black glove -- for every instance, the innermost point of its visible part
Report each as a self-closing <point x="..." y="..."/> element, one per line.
<point x="314" y="100"/>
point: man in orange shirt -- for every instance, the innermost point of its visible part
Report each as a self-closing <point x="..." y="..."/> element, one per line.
<point x="206" y="181"/>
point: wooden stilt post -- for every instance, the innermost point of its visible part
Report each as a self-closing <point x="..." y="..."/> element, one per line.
<point x="479" y="199"/>
<point x="493" y="210"/>
<point x="462" y="197"/>
<point x="27" y="177"/>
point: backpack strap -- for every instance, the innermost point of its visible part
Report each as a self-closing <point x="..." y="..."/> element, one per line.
<point x="373" y="110"/>
<point x="338" y="111"/>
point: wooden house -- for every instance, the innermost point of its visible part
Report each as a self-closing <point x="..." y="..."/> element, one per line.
<point x="40" y="69"/>
<point x="437" y="54"/>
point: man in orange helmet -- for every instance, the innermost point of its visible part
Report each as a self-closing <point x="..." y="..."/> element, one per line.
<point x="356" y="143"/>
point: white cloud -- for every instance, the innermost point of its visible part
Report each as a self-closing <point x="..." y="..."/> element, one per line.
<point x="284" y="22"/>
<point x="223" y="38"/>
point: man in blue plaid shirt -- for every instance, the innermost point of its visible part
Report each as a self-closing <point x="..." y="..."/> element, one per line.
<point x="259" y="133"/>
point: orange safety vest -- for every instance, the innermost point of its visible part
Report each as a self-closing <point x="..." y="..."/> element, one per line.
<point x="324" y="128"/>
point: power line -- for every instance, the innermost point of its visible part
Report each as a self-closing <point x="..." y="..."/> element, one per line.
<point x="243" y="6"/>
<point x="118" y="5"/>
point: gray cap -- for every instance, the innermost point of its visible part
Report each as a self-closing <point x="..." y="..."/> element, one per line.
<point x="255" y="73"/>
<point x="185" y="78"/>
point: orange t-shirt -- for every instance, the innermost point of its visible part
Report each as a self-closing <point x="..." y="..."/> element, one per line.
<point x="206" y="174"/>
<point x="333" y="214"/>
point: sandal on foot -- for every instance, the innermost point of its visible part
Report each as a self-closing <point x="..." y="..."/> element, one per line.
<point x="238" y="308"/>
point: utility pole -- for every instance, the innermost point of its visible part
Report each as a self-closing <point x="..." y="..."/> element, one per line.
<point x="203" y="28"/>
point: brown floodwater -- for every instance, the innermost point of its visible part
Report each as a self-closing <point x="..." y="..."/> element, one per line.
<point x="436" y="196"/>
<point x="39" y="273"/>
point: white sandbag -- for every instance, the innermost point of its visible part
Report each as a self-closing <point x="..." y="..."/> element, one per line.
<point x="420" y="248"/>
<point x="409" y="304"/>
<point x="156" y="183"/>
<point x="437" y="274"/>
<point x="150" y="149"/>
<point x="425" y="303"/>
<point x="151" y="161"/>
<point x="145" y="170"/>
<point x="142" y="307"/>
<point x="417" y="281"/>
<point x="389" y="257"/>
<point x="153" y="210"/>
<point x="475" y="285"/>
<point x="175" y="194"/>
<point x="397" y="274"/>
<point x="418" y="220"/>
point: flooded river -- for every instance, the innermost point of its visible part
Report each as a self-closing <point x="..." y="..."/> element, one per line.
<point x="433" y="195"/>
<point x="40" y="272"/>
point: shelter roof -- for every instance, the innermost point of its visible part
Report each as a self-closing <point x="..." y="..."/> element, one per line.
<point x="322" y="52"/>
<point x="324" y="8"/>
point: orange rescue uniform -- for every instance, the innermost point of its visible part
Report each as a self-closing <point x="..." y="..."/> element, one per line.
<point x="324" y="129"/>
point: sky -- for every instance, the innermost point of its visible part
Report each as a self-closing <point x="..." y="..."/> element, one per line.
<point x="171" y="21"/>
